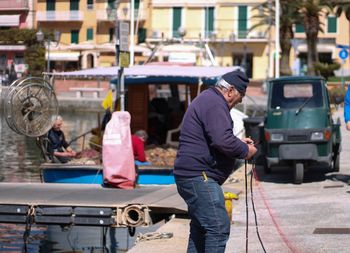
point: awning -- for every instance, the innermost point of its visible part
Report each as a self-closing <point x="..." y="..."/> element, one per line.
<point x="321" y="48"/>
<point x="63" y="56"/>
<point x="12" y="47"/>
<point x="9" y="20"/>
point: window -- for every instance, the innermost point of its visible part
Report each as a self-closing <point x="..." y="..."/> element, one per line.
<point x="74" y="36"/>
<point x="137" y="4"/>
<point x="332" y="24"/>
<point x="18" y="59"/>
<point x="141" y="35"/>
<point x="209" y="21"/>
<point x="242" y="21"/>
<point x="177" y="13"/>
<point x="90" y="4"/>
<point x="294" y="95"/>
<point x="74" y="5"/>
<point x="299" y="28"/>
<point x="3" y="61"/>
<point x="90" y="34"/>
<point x="50" y="5"/>
<point x="111" y="34"/>
<point x="111" y="4"/>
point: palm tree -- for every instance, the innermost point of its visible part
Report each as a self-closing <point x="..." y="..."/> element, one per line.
<point x="289" y="16"/>
<point x="310" y="12"/>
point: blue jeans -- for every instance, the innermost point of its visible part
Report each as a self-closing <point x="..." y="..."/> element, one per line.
<point x="210" y="224"/>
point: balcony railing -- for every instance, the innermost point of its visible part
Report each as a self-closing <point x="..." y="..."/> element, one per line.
<point x="226" y="35"/>
<point x="14" y="5"/>
<point x="198" y="3"/>
<point x="60" y="16"/>
<point x="123" y="14"/>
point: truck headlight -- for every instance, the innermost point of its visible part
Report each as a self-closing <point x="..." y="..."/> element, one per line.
<point x="276" y="137"/>
<point x="317" y="136"/>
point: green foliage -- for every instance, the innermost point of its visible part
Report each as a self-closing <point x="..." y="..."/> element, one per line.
<point x="339" y="79"/>
<point x="326" y="69"/>
<point x="337" y="93"/>
<point x="34" y="55"/>
<point x="35" y="58"/>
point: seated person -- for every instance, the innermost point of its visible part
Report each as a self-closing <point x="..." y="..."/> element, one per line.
<point x="138" y="144"/>
<point x="58" y="147"/>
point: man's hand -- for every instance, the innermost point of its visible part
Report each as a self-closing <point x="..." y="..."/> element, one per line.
<point x="72" y="153"/>
<point x="248" y="140"/>
<point x="251" y="148"/>
<point x="348" y="125"/>
<point x="251" y="151"/>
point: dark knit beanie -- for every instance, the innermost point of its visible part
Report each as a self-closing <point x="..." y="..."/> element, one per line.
<point x="238" y="79"/>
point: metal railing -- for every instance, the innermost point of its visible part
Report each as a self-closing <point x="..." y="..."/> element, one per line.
<point x="223" y="35"/>
<point x="60" y="16"/>
<point x="110" y="15"/>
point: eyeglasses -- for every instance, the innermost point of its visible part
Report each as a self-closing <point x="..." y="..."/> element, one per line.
<point x="241" y="94"/>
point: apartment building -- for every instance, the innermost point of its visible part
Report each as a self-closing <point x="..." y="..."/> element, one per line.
<point x="336" y="31"/>
<point x="87" y="29"/>
<point x="14" y="14"/>
<point x="223" y="25"/>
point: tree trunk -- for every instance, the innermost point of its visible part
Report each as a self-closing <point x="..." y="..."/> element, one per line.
<point x="286" y="35"/>
<point x="311" y="24"/>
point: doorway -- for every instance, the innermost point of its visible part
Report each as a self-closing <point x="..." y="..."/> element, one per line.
<point x="245" y="61"/>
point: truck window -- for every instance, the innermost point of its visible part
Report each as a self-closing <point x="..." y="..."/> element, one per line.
<point x="293" y="95"/>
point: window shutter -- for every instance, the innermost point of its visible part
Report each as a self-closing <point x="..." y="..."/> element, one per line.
<point x="75" y="36"/>
<point x="90" y="34"/>
<point x="50" y="5"/>
<point x="299" y="28"/>
<point x="242" y="21"/>
<point x="209" y="20"/>
<point x="332" y="25"/>
<point x="74" y="5"/>
<point x="176" y="20"/>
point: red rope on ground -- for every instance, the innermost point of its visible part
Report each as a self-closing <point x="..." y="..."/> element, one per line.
<point x="284" y="238"/>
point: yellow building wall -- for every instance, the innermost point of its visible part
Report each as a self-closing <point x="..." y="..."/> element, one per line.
<point x="194" y="22"/>
<point x="225" y="21"/>
<point x="162" y="21"/>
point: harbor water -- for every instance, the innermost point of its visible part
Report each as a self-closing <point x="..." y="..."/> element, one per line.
<point x="20" y="159"/>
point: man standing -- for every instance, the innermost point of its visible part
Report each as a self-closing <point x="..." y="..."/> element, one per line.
<point x="58" y="147"/>
<point x="205" y="159"/>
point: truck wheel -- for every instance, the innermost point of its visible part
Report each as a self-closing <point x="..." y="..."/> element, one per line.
<point x="336" y="163"/>
<point x="267" y="169"/>
<point x="298" y="173"/>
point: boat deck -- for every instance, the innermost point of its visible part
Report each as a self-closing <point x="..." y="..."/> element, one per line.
<point x="87" y="204"/>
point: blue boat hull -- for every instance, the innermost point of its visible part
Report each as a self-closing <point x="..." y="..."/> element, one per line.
<point x="92" y="174"/>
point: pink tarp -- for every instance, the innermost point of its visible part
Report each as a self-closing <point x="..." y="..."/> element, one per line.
<point x="117" y="152"/>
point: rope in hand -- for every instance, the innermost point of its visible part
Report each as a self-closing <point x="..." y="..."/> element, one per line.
<point x="252" y="174"/>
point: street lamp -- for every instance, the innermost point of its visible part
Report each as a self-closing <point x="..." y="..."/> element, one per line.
<point x="41" y="37"/>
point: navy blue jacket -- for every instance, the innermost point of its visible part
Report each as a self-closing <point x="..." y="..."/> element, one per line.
<point x="206" y="140"/>
<point x="57" y="141"/>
